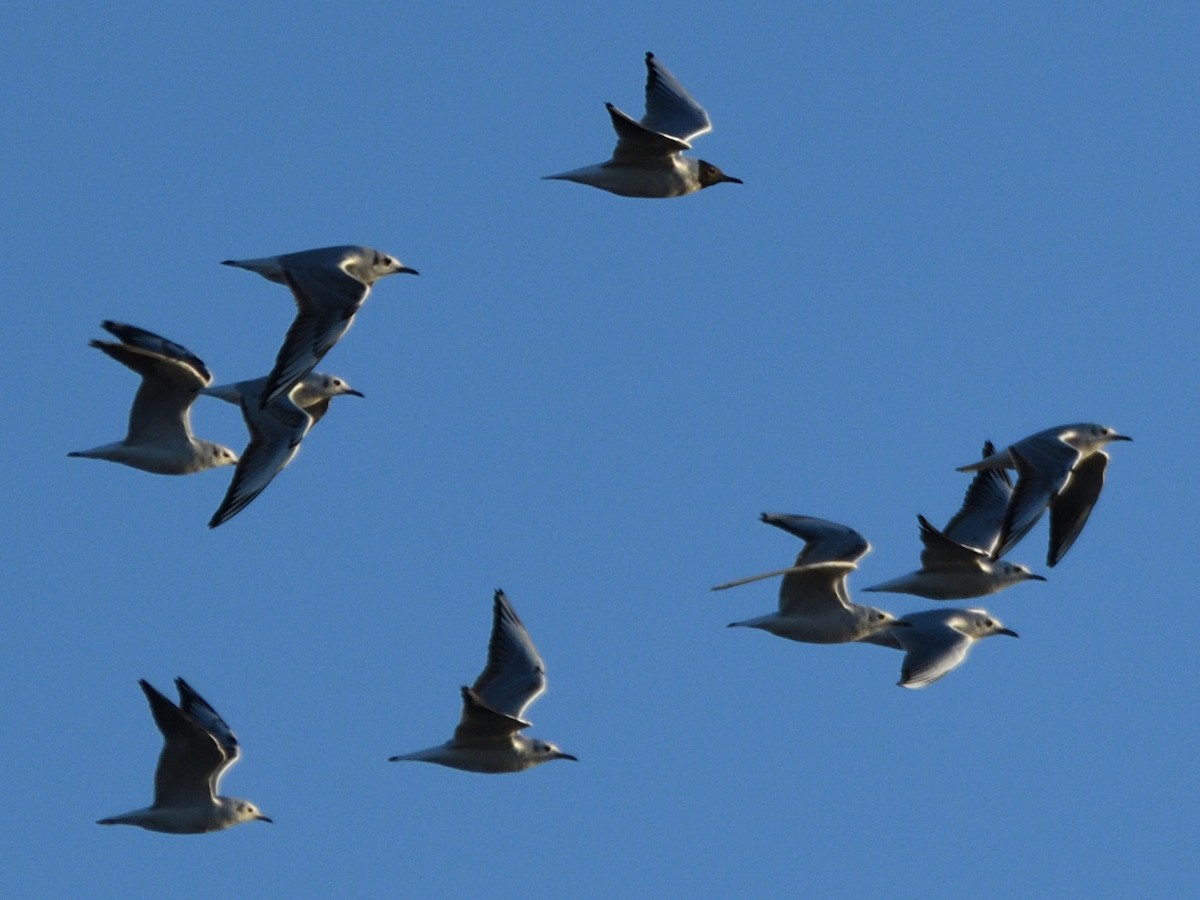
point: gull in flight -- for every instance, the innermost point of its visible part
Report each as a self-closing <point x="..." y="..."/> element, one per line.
<point x="648" y="160"/>
<point x="488" y="737"/>
<point x="1060" y="469"/>
<point x="198" y="748"/>
<point x="956" y="563"/>
<point x="329" y="284"/>
<point x="276" y="431"/>
<point x="814" y="603"/>
<point x="159" y="438"/>
<point x="937" y="641"/>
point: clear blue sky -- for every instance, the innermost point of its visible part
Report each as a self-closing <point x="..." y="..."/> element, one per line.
<point x="957" y="223"/>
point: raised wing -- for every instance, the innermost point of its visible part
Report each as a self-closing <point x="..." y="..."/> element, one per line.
<point x="816" y="587"/>
<point x="482" y="725"/>
<point x="979" y="520"/>
<point x="824" y="541"/>
<point x="160" y="410"/>
<point x="157" y="344"/>
<point x="275" y="435"/>
<point x="191" y="759"/>
<point x="941" y="551"/>
<point x="515" y="675"/>
<point x="1070" y="511"/>
<point x="636" y="142"/>
<point x="670" y="109"/>
<point x="202" y="712"/>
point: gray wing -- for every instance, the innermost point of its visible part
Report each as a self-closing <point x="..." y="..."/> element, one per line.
<point x="1043" y="467"/>
<point x="942" y="552"/>
<point x="481" y="724"/>
<point x="275" y="435"/>
<point x="670" y="109"/>
<point x="157" y="344"/>
<point x="327" y="299"/>
<point x="637" y="143"/>
<point x="203" y="714"/>
<point x="824" y="541"/>
<point x="932" y="652"/>
<point x="515" y="675"/>
<point x="814" y="588"/>
<point x="1070" y="510"/>
<point x="191" y="759"/>
<point x="979" y="520"/>
<point x="161" y="406"/>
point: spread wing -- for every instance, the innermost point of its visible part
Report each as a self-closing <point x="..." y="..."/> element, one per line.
<point x="931" y="653"/>
<point x="275" y="435"/>
<point x="192" y="759"/>
<point x="203" y="714"/>
<point x="1070" y="510"/>
<point x="670" y="109"/>
<point x="978" y="523"/>
<point x="1043" y="467"/>
<point x="515" y="675"/>
<point x="482" y="725"/>
<point x="327" y="299"/>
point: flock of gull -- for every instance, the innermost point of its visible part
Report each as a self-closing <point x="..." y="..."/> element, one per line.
<point x="1060" y="470"/>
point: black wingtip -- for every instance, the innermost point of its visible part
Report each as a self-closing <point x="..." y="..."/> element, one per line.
<point x="228" y="262"/>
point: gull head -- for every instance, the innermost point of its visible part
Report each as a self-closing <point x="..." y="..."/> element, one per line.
<point x="1089" y="435"/>
<point x="383" y="264"/>
<point x="319" y="385"/>
<point x="543" y="751"/>
<point x="1015" y="572"/>
<point x="243" y="811"/>
<point x="218" y="455"/>
<point x="708" y="174"/>
<point x="979" y="623"/>
<point x="874" y="620"/>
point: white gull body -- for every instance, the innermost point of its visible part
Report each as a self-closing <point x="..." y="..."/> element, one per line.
<point x="1060" y="469"/>
<point x="648" y="160"/>
<point x="198" y="749"/>
<point x="956" y="563"/>
<point x="488" y="738"/>
<point x="276" y="431"/>
<point x="936" y="642"/>
<point x="159" y="438"/>
<point x="814" y="602"/>
<point x="329" y="285"/>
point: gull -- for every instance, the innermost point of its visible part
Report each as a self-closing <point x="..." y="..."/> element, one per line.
<point x="276" y="431"/>
<point x="956" y="563"/>
<point x="329" y="284"/>
<point x="648" y="160"/>
<point x="488" y="737"/>
<point x="1061" y="469"/>
<point x="814" y="604"/>
<point x="937" y="641"/>
<point x="159" y="438"/>
<point x="198" y="748"/>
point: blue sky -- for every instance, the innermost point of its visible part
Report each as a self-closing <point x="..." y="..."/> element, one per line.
<point x="956" y="224"/>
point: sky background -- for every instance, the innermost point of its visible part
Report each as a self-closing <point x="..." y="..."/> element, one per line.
<point x="956" y="224"/>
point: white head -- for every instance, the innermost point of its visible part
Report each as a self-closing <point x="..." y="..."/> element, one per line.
<point x="873" y="620"/>
<point x="1012" y="573"/>
<point x="539" y="751"/>
<point x="1089" y="434"/>
<point x="979" y="623"/>
<point x="318" y="386"/>
<point x="368" y="266"/>
<point x="240" y="811"/>
<point x="217" y="455"/>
